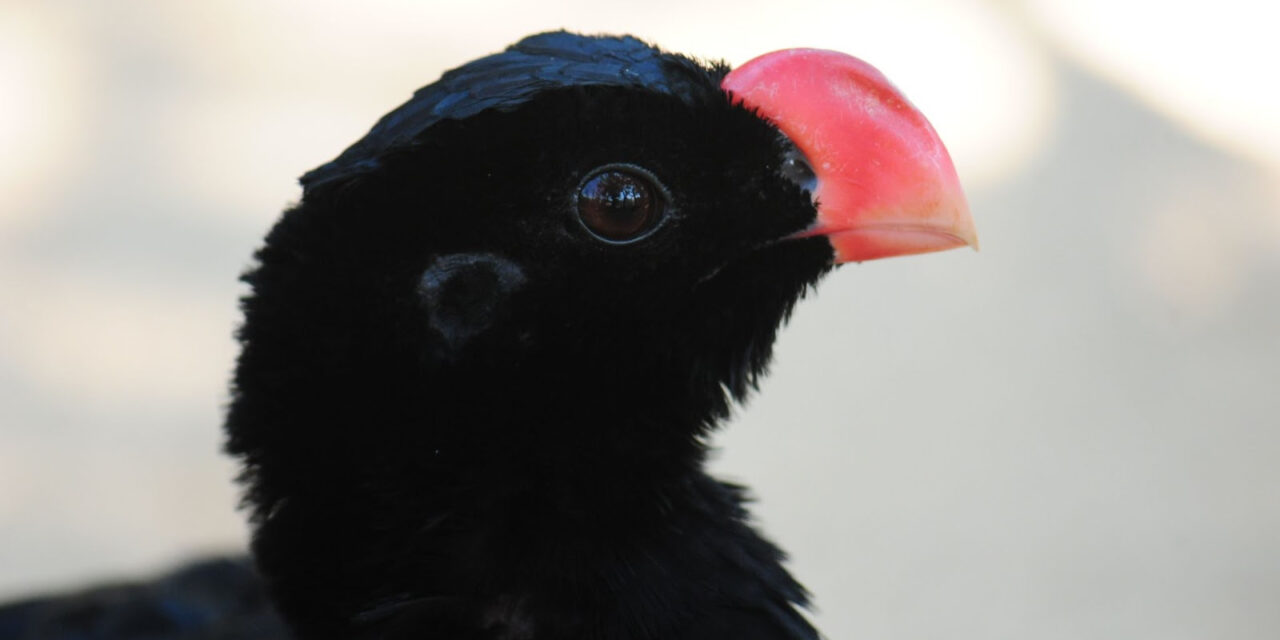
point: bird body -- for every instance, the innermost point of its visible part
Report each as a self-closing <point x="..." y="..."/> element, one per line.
<point x="481" y="356"/>
<point x="538" y="467"/>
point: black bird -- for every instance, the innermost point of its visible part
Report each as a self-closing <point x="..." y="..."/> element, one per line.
<point x="481" y="355"/>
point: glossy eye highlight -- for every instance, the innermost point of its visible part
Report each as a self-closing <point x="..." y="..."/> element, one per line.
<point x="620" y="203"/>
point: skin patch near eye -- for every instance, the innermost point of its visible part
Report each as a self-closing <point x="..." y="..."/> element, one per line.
<point x="463" y="293"/>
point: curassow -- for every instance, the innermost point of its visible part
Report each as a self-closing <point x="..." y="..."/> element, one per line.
<point x="483" y="352"/>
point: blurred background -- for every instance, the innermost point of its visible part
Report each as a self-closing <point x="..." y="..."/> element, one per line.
<point x="1073" y="433"/>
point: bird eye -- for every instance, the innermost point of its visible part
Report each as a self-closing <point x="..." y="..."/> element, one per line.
<point x="620" y="203"/>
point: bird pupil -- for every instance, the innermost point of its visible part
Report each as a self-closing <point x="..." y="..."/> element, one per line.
<point x="617" y="205"/>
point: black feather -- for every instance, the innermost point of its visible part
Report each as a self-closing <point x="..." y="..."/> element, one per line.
<point x="220" y="599"/>
<point x="532" y="466"/>
<point x="509" y="79"/>
<point x="463" y="415"/>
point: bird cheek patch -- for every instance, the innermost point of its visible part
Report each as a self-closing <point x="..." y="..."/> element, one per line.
<point x="464" y="292"/>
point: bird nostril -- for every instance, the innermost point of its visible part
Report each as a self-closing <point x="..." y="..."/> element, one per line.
<point x="795" y="167"/>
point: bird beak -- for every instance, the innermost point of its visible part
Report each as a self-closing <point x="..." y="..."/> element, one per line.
<point x="885" y="184"/>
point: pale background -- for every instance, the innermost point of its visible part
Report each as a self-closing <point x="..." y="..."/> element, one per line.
<point x="1072" y="434"/>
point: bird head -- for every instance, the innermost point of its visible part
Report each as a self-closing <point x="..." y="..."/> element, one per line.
<point x="572" y="254"/>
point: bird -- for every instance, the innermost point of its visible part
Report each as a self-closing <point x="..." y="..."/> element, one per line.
<point x="482" y="355"/>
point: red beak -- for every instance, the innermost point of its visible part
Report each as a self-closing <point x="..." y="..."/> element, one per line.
<point x="885" y="184"/>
